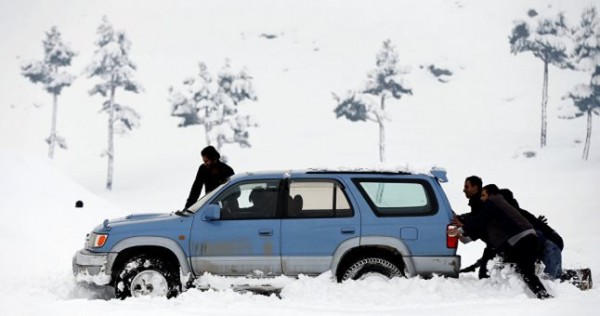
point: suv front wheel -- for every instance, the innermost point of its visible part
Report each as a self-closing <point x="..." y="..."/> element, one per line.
<point x="147" y="276"/>
<point x="372" y="267"/>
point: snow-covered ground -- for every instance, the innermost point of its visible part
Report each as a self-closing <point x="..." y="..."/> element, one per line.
<point x="482" y="121"/>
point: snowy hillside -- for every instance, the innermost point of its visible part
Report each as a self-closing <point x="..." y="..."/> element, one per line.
<point x="483" y="119"/>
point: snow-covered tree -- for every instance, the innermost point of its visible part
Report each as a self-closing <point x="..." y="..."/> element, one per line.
<point x="112" y="65"/>
<point x="368" y="103"/>
<point x="586" y="97"/>
<point x="57" y="55"/>
<point x="544" y="37"/>
<point x="214" y="104"/>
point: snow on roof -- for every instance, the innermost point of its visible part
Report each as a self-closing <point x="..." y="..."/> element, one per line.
<point x="415" y="169"/>
<point x="428" y="170"/>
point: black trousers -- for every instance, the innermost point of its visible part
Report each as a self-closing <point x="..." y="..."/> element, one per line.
<point x="488" y="254"/>
<point x="524" y="255"/>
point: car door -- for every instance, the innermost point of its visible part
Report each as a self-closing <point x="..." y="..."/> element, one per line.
<point x="318" y="217"/>
<point x="246" y="238"/>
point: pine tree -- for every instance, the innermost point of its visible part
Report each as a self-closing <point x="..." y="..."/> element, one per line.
<point x="586" y="97"/>
<point x="544" y="37"/>
<point x="112" y="65"/>
<point x="214" y="104"/>
<point x="57" y="54"/>
<point x="368" y="104"/>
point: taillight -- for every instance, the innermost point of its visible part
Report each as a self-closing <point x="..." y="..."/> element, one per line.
<point x="451" y="239"/>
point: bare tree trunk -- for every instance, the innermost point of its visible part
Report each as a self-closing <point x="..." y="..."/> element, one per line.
<point x="52" y="138"/>
<point x="111" y="149"/>
<point x="220" y="143"/>
<point x="382" y="131"/>
<point x="381" y="141"/>
<point x="544" y="106"/>
<point x="588" y="136"/>
<point x="206" y="134"/>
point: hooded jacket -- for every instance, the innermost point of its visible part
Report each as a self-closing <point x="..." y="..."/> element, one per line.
<point x="543" y="230"/>
<point x="502" y="224"/>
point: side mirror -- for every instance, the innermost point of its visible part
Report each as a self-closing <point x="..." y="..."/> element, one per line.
<point x="212" y="212"/>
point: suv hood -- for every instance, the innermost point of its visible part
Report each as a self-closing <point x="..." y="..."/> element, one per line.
<point x="139" y="217"/>
<point x="151" y="221"/>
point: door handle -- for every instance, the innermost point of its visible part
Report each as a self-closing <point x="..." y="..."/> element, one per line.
<point x="348" y="230"/>
<point x="265" y="232"/>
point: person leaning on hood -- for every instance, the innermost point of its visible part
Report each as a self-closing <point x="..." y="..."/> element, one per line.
<point x="211" y="173"/>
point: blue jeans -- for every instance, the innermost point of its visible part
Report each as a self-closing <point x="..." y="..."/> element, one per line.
<point x="552" y="259"/>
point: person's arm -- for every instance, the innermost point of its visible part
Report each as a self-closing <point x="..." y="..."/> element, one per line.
<point x="196" y="188"/>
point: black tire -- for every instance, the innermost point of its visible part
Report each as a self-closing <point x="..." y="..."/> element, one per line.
<point x="165" y="275"/>
<point x="372" y="265"/>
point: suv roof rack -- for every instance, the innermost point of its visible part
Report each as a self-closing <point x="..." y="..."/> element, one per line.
<point x="359" y="171"/>
<point x="438" y="173"/>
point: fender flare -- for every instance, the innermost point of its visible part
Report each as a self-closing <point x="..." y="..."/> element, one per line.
<point x="149" y="241"/>
<point x="391" y="242"/>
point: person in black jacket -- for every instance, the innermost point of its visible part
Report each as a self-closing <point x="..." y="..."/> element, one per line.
<point x="212" y="173"/>
<point x="472" y="190"/>
<point x="507" y="231"/>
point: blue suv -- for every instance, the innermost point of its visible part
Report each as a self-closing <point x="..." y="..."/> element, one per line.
<point x="358" y="224"/>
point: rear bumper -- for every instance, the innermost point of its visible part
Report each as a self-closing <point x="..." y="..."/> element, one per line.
<point x="91" y="266"/>
<point x="446" y="266"/>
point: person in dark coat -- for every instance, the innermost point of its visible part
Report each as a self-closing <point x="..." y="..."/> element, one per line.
<point x="508" y="232"/>
<point x="540" y="223"/>
<point x="472" y="190"/>
<point x="212" y="173"/>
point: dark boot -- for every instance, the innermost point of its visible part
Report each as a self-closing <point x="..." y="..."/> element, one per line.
<point x="483" y="272"/>
<point x="581" y="278"/>
<point x="488" y="254"/>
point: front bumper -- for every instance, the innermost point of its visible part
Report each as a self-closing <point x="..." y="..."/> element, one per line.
<point x="89" y="263"/>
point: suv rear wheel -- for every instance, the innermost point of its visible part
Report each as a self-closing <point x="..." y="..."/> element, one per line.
<point x="147" y="276"/>
<point x="372" y="267"/>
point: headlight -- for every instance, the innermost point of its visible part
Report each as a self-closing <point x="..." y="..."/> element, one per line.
<point x="95" y="240"/>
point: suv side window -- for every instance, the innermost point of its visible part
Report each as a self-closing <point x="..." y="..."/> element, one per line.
<point x="317" y="199"/>
<point x="250" y="200"/>
<point x="398" y="198"/>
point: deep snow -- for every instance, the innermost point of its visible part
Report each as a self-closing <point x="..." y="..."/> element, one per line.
<point x="481" y="121"/>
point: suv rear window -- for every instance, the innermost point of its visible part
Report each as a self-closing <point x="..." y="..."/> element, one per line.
<point x="398" y="198"/>
<point x="317" y="199"/>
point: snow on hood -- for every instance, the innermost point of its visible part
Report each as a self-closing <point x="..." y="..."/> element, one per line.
<point x="139" y="217"/>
